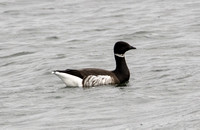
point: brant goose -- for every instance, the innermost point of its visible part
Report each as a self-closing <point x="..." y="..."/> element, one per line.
<point x="94" y="77"/>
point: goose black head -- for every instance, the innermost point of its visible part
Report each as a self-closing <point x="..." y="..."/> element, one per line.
<point x="121" y="47"/>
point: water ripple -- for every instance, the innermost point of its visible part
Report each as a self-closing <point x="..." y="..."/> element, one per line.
<point x="18" y="54"/>
<point x="37" y="37"/>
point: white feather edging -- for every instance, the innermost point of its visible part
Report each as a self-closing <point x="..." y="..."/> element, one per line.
<point x="120" y="55"/>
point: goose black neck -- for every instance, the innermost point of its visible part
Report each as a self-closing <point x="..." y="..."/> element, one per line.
<point x="121" y="70"/>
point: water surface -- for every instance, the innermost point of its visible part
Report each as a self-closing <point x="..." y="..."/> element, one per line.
<point x="37" y="37"/>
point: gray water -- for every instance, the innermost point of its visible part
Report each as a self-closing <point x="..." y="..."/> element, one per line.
<point x="39" y="36"/>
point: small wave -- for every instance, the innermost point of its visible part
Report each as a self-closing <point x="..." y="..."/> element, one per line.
<point x="7" y="64"/>
<point x="142" y="32"/>
<point x="59" y="56"/>
<point x="17" y="54"/>
<point x="52" y="38"/>
<point x="11" y="12"/>
<point x="160" y="70"/>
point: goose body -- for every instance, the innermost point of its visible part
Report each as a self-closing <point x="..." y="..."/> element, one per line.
<point x="89" y="77"/>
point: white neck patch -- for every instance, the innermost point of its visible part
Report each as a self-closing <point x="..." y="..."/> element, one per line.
<point x="120" y="55"/>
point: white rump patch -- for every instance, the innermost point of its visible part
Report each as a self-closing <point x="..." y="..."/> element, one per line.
<point x="69" y="80"/>
<point x="93" y="80"/>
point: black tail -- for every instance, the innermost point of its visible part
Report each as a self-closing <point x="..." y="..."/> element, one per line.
<point x="70" y="71"/>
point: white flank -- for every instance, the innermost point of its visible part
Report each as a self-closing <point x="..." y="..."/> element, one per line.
<point x="93" y="80"/>
<point x="69" y="80"/>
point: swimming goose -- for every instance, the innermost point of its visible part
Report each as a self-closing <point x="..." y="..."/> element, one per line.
<point x="90" y="77"/>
